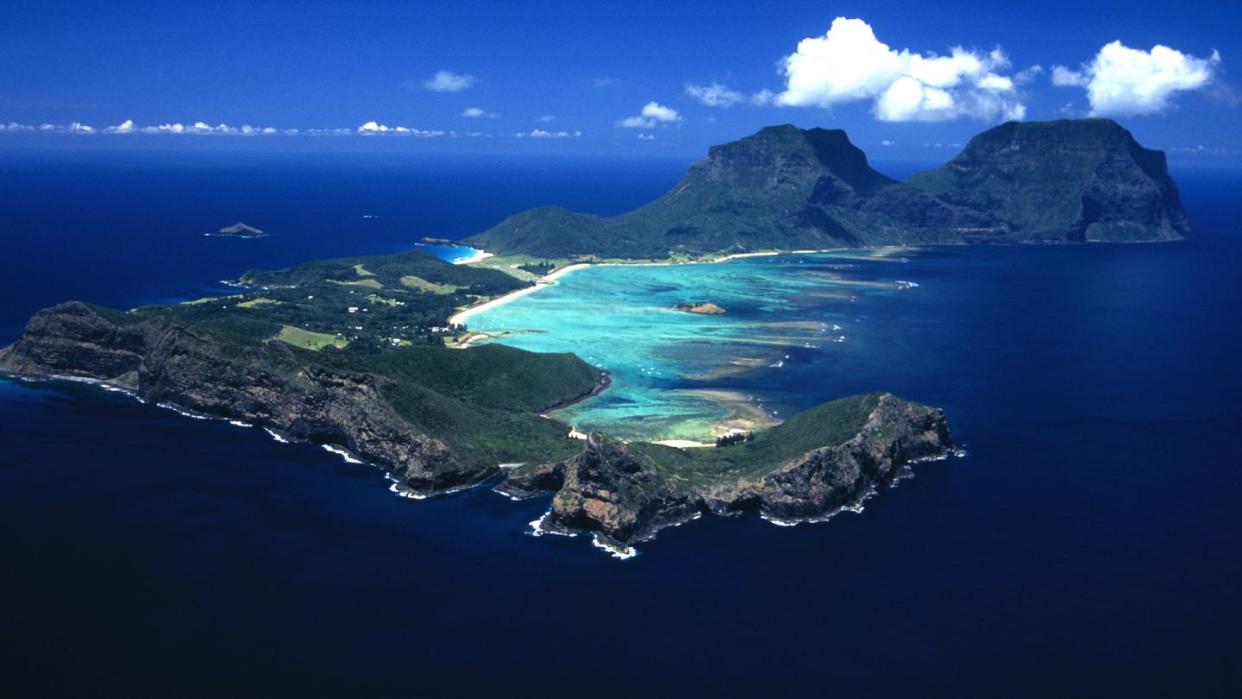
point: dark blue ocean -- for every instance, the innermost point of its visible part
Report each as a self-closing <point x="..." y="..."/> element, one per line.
<point x="1089" y="544"/>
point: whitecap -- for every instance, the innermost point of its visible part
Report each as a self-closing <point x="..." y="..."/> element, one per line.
<point x="349" y="458"/>
<point x="620" y="553"/>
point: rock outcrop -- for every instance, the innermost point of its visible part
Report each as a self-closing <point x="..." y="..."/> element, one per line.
<point x="623" y="497"/>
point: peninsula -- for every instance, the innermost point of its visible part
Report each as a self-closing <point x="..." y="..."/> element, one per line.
<point x="354" y="353"/>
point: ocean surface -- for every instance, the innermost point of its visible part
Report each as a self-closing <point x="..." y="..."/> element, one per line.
<point x="1087" y="545"/>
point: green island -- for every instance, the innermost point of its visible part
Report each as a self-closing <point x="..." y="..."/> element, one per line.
<point x="371" y="354"/>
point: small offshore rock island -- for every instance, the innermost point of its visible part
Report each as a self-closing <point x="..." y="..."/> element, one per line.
<point x="358" y="353"/>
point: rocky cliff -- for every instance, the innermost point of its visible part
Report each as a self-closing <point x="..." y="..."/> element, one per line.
<point x="1061" y="181"/>
<point x="176" y="366"/>
<point x="786" y="188"/>
<point x="624" y="494"/>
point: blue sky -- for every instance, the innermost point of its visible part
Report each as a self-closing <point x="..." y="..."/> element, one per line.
<point x="576" y="77"/>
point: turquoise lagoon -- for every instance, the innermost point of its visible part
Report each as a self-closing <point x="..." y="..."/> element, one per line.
<point x="684" y="376"/>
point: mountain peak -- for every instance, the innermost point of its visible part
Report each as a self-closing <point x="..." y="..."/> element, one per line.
<point x="789" y="188"/>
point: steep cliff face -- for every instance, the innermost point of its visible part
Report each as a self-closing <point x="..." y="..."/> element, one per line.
<point x="790" y="188"/>
<point x="1063" y="181"/>
<point x="626" y="497"/>
<point x="896" y="433"/>
<point x="173" y="365"/>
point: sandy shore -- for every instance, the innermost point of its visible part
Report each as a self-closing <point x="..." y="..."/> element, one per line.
<point x="462" y="315"/>
<point x="476" y="257"/>
<point x="683" y="443"/>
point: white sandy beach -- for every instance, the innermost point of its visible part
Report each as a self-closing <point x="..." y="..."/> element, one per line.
<point x="462" y="315"/>
<point x="476" y="257"/>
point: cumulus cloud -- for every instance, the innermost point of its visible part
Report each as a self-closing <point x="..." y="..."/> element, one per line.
<point x="448" y="81"/>
<point x="714" y="95"/>
<point x="849" y="64"/>
<point x="1121" y="81"/>
<point x="541" y="133"/>
<point x="479" y="113"/>
<point x="126" y="126"/>
<point x="653" y="113"/>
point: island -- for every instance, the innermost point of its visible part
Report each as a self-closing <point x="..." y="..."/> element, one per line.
<point x="241" y="230"/>
<point x="365" y="355"/>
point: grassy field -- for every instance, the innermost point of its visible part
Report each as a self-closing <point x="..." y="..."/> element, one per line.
<point x="368" y="283"/>
<point x="256" y="302"/>
<point x="413" y="282"/>
<point x="307" y="339"/>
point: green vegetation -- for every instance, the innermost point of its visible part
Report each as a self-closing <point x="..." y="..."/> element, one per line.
<point x="368" y="283"/>
<point x="786" y="188"/>
<point x="258" y="301"/>
<point x="1046" y="197"/>
<point x="539" y="269"/>
<point x="829" y="424"/>
<point x="388" y="317"/>
<point x="309" y="340"/>
<point x="328" y="297"/>
<point x="421" y="284"/>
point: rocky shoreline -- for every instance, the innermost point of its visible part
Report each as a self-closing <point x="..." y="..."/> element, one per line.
<point x="623" y="499"/>
<point x="606" y="489"/>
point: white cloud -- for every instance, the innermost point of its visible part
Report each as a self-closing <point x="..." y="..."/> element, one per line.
<point x="479" y="113"/>
<point x="448" y="81"/>
<point x="653" y="113"/>
<point x="646" y="137"/>
<point x="372" y="128"/>
<point x="14" y="126"/>
<point x="714" y="95"/>
<point x="1121" y="81"/>
<point x="849" y="64"/>
<point x="541" y="133"/>
<point x="762" y="97"/>
<point x="76" y="127"/>
<point x="887" y="142"/>
<point x="546" y="119"/>
<point x="126" y="126"/>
